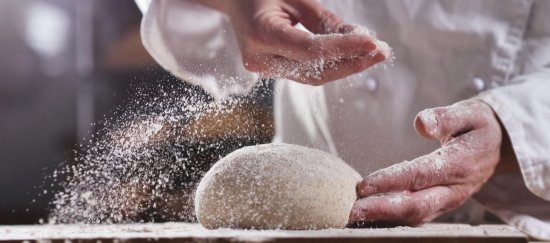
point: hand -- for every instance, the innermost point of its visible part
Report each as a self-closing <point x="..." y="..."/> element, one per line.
<point x="273" y="47"/>
<point x="417" y="191"/>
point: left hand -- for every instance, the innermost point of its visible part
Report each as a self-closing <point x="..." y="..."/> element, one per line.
<point x="417" y="191"/>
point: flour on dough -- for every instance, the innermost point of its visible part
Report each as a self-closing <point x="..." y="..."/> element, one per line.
<point x="277" y="186"/>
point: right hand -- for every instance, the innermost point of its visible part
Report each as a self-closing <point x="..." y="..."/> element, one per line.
<point x="274" y="48"/>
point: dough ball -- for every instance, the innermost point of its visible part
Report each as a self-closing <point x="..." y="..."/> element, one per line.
<point x="277" y="186"/>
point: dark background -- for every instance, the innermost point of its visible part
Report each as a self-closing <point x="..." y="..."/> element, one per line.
<point x="65" y="65"/>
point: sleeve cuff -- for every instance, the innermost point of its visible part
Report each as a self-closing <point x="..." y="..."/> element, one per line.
<point x="195" y="44"/>
<point x="513" y="118"/>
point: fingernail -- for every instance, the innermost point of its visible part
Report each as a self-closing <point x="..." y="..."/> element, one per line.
<point x="429" y="121"/>
<point x="384" y="48"/>
<point x="369" y="46"/>
<point x="379" y="57"/>
<point x="367" y="190"/>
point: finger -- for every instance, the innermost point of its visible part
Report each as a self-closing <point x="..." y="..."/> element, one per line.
<point x="290" y="42"/>
<point x="317" y="19"/>
<point x="314" y="73"/>
<point x="436" y="168"/>
<point x="407" y="208"/>
<point x="450" y="121"/>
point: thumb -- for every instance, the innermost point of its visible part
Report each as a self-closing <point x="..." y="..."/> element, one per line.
<point x="445" y="122"/>
<point x="425" y="124"/>
<point x="319" y="20"/>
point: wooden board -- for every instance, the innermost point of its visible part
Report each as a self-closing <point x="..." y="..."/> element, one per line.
<point x="184" y="232"/>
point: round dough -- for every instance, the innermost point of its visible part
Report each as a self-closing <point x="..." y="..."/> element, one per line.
<point x="277" y="186"/>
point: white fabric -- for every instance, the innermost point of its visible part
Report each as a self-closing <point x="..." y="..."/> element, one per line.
<point x="446" y="51"/>
<point x="207" y="59"/>
<point x="143" y="5"/>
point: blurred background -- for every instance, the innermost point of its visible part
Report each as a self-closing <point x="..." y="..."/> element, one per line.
<point x="65" y="65"/>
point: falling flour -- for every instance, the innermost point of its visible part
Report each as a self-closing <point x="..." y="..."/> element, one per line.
<point x="145" y="162"/>
<point x="381" y="46"/>
<point x="314" y="69"/>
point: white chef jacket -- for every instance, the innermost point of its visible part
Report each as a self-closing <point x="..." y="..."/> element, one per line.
<point x="497" y="51"/>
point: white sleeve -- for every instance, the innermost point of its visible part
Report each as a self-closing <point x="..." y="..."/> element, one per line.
<point x="523" y="107"/>
<point x="523" y="199"/>
<point x="196" y="44"/>
<point x="524" y="110"/>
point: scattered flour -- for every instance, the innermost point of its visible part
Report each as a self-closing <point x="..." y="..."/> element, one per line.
<point x="381" y="46"/>
<point x="300" y="70"/>
<point x="144" y="164"/>
<point x="434" y="162"/>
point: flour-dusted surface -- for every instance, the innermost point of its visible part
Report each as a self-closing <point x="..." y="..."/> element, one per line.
<point x="183" y="231"/>
<point x="315" y="69"/>
<point x="277" y="186"/>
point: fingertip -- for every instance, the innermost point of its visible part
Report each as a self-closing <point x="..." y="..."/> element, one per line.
<point x="370" y="43"/>
<point x="356" y="213"/>
<point x="420" y="128"/>
<point x="384" y="48"/>
<point x="352" y="44"/>
<point x="379" y="57"/>
<point x="425" y="124"/>
<point x="365" y="189"/>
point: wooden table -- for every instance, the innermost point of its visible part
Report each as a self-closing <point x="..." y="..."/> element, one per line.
<point x="184" y="232"/>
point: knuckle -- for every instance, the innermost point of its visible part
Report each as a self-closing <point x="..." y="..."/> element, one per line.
<point x="251" y="63"/>
<point x="328" y="20"/>
<point x="442" y="119"/>
<point x="461" y="171"/>
<point x="421" y="179"/>
<point x="261" y="27"/>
